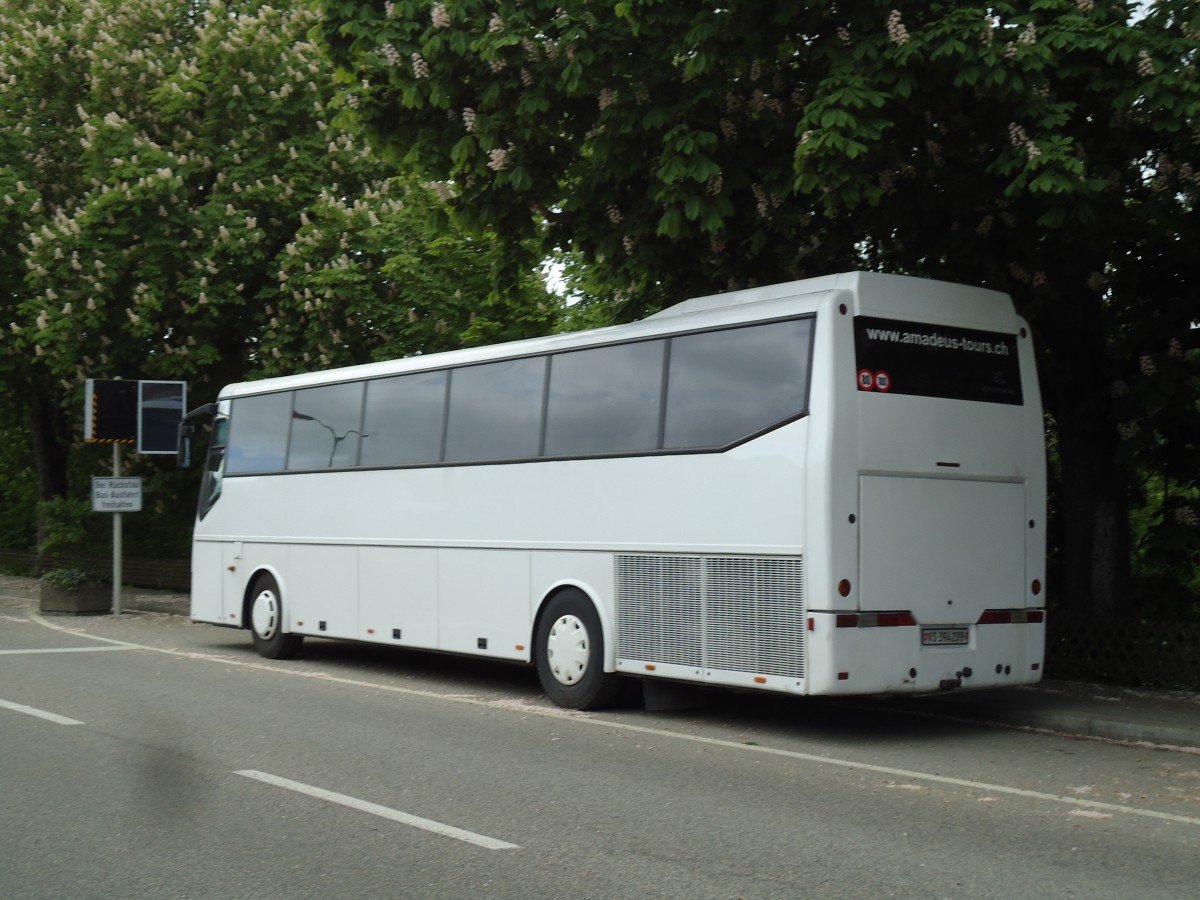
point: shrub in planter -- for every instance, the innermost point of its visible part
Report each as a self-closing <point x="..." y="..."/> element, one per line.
<point x="74" y="592"/>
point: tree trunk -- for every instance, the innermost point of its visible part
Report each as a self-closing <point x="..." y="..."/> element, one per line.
<point x="1093" y="512"/>
<point x="1091" y="506"/>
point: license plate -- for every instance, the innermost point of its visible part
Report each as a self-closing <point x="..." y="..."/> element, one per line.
<point x="944" y="637"/>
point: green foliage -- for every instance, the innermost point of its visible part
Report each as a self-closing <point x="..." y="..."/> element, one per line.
<point x="18" y="485"/>
<point x="70" y="579"/>
<point x="65" y="527"/>
<point x="176" y="202"/>
<point x="372" y="280"/>
<point x="562" y="114"/>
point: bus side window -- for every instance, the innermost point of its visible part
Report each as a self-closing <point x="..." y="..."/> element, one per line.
<point x="724" y="386"/>
<point x="326" y="427"/>
<point x="604" y="400"/>
<point x="495" y="410"/>
<point x="403" y="420"/>
<point x="258" y="433"/>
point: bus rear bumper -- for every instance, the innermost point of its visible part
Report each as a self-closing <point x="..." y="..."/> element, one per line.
<point x="901" y="659"/>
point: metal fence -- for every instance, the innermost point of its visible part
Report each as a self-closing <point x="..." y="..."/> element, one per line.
<point x="1129" y="652"/>
<point x="155" y="574"/>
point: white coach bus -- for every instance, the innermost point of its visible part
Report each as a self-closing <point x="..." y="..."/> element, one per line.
<point x="832" y="486"/>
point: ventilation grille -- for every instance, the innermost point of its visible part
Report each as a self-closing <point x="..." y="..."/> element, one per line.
<point x="734" y="613"/>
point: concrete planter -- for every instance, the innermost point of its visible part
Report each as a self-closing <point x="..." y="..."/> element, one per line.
<point x="85" y="600"/>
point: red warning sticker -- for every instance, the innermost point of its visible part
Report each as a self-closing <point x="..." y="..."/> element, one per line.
<point x="866" y="381"/>
<point x="883" y="381"/>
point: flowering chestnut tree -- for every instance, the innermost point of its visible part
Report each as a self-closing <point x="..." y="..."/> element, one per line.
<point x="175" y="202"/>
<point x="1050" y="149"/>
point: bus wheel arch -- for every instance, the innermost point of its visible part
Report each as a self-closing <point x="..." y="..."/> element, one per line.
<point x="569" y="651"/>
<point x="264" y="612"/>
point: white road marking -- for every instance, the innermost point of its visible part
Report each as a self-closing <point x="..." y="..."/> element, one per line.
<point x="605" y="722"/>
<point x="63" y="650"/>
<point x="40" y="713"/>
<point x="384" y="812"/>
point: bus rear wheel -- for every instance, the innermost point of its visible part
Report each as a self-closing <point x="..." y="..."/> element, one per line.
<point x="266" y="621"/>
<point x="569" y="647"/>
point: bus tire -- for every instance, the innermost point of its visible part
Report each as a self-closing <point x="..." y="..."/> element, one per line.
<point x="266" y="621"/>
<point x="569" y="649"/>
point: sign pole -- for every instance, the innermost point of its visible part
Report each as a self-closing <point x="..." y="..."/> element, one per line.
<point x="144" y="413"/>
<point x="116" y="595"/>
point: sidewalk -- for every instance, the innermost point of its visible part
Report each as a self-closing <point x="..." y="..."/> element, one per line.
<point x="1135" y="714"/>
<point x="1146" y="715"/>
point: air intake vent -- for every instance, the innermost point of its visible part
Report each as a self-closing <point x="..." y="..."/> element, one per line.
<point x="732" y="613"/>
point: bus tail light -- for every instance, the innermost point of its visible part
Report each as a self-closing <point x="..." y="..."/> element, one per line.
<point x="875" y="620"/>
<point x="1011" y="617"/>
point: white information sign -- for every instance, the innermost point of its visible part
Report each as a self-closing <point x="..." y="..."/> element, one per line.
<point x="116" y="495"/>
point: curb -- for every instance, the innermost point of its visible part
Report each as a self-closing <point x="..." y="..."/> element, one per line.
<point x="1111" y="729"/>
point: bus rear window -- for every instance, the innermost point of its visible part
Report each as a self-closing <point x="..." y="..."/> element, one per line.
<point x="895" y="357"/>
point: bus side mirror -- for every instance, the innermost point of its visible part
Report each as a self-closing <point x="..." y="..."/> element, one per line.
<point x="183" y="455"/>
<point x="187" y="428"/>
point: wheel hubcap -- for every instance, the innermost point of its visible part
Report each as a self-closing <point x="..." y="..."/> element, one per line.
<point x="568" y="649"/>
<point x="265" y="615"/>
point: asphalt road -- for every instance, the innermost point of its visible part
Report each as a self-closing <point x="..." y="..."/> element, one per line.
<point x="149" y="756"/>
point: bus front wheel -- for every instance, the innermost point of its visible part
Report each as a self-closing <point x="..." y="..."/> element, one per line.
<point x="570" y="654"/>
<point x="266" y="621"/>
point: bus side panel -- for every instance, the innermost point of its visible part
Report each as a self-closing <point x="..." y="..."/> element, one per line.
<point x="484" y="605"/>
<point x="207" y="572"/>
<point x="322" y="590"/>
<point x="397" y="599"/>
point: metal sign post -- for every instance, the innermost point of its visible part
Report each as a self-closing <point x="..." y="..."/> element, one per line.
<point x="117" y="495"/>
<point x="117" y="573"/>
